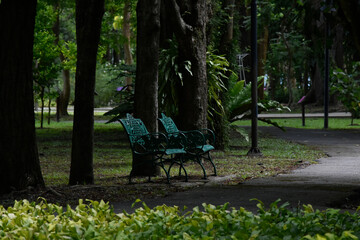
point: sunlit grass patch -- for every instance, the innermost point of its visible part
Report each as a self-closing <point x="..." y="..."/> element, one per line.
<point x="310" y="123"/>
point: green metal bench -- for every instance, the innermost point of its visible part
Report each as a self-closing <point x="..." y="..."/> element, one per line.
<point x="199" y="143"/>
<point x="154" y="147"/>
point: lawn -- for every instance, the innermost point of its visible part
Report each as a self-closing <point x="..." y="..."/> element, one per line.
<point x="112" y="165"/>
<point x="112" y="156"/>
<point x="310" y="123"/>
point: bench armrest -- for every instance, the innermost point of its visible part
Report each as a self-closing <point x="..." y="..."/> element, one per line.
<point x="195" y="139"/>
<point x="209" y="136"/>
<point x="150" y="143"/>
<point x="177" y="140"/>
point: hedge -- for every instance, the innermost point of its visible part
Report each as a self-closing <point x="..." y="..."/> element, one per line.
<point x="97" y="220"/>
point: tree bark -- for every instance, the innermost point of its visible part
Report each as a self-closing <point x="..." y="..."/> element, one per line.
<point x="88" y="25"/>
<point x="263" y="43"/>
<point x="146" y="84"/>
<point x="314" y="29"/>
<point x="190" y="18"/>
<point x="62" y="101"/>
<point x="19" y="161"/>
<point x="243" y="7"/>
<point x="351" y="11"/>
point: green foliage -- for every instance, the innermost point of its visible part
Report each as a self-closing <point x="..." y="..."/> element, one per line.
<point x="124" y="97"/>
<point x="110" y="78"/>
<point x="217" y="70"/>
<point x="96" y="220"/>
<point x="46" y="64"/>
<point x="69" y="51"/>
<point x="239" y="104"/>
<point x="347" y="88"/>
<point x="170" y="79"/>
<point x="111" y="38"/>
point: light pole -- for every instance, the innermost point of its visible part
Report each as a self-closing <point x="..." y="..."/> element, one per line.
<point x="326" y="68"/>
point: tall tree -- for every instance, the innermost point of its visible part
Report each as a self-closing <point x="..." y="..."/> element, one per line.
<point x="147" y="55"/>
<point x="190" y="20"/>
<point x="263" y="42"/>
<point x="221" y="123"/>
<point x="20" y="166"/>
<point x="314" y="25"/>
<point x="89" y="15"/>
<point x="63" y="99"/>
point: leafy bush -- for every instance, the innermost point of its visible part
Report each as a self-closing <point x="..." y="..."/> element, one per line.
<point x="97" y="220"/>
<point x="239" y="104"/>
<point x="347" y="88"/>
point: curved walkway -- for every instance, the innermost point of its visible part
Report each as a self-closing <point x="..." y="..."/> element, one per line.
<point x="333" y="182"/>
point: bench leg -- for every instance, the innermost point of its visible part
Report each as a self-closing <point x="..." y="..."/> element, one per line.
<point x="130" y="176"/>
<point x="181" y="163"/>
<point x="183" y="167"/>
<point x="212" y="163"/>
<point x="198" y="158"/>
<point x="161" y="164"/>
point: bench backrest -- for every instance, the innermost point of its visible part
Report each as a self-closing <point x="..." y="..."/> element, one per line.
<point x="134" y="127"/>
<point x="168" y="124"/>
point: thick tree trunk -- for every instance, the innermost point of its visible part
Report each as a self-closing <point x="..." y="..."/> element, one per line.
<point x="88" y="25"/>
<point x="146" y="84"/>
<point x="19" y="159"/>
<point x="190" y="18"/>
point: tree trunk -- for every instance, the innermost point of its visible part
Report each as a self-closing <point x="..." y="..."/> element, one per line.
<point x="190" y="18"/>
<point x="19" y="161"/>
<point x="88" y="25"/>
<point x="243" y="7"/>
<point x="263" y="43"/>
<point x="351" y="11"/>
<point x="289" y="70"/>
<point x="146" y="84"/>
<point x="314" y="29"/>
<point x="221" y="122"/>
<point x="62" y="100"/>
<point x="338" y="46"/>
<point x="42" y="93"/>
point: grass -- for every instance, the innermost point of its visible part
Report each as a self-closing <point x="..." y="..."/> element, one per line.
<point x="310" y="123"/>
<point x="112" y="156"/>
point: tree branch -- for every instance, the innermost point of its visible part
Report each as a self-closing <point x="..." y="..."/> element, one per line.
<point x="180" y="24"/>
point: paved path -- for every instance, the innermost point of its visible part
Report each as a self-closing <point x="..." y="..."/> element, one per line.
<point x="334" y="182"/>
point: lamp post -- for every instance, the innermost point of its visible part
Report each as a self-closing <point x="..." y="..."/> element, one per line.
<point x="326" y="68"/>
<point x="254" y="150"/>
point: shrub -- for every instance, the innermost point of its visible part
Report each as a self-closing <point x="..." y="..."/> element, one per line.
<point x="96" y="220"/>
